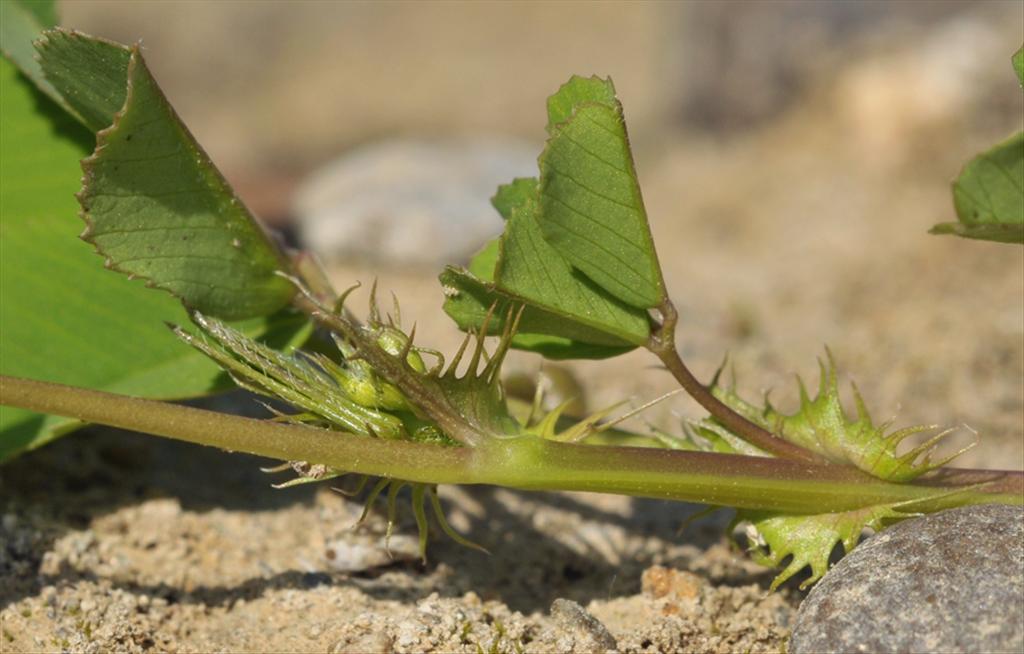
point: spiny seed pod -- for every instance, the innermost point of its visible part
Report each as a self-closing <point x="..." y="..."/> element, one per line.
<point x="394" y="341"/>
<point x="363" y="386"/>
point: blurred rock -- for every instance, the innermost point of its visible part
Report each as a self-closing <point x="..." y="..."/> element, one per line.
<point x="948" y="582"/>
<point x="737" y="63"/>
<point x="409" y="202"/>
<point x="903" y="103"/>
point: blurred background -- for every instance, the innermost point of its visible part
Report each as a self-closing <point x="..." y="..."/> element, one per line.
<point x="792" y="154"/>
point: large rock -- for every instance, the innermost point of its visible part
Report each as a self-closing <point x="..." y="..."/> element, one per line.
<point x="415" y="202"/>
<point x="948" y="582"/>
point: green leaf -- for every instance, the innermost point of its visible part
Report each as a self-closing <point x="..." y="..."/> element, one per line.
<point x="989" y="195"/>
<point x="576" y="92"/>
<point x="155" y="205"/>
<point x="530" y="268"/>
<point x="90" y="74"/>
<point x="567" y="315"/>
<point x="516" y="193"/>
<point x="62" y="317"/>
<point x="468" y="300"/>
<point x="1018" y="64"/>
<point x="484" y="262"/>
<point x="21" y="22"/>
<point x="591" y="209"/>
<point x="580" y="260"/>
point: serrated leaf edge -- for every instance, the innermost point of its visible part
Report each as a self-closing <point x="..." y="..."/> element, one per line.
<point x="88" y="164"/>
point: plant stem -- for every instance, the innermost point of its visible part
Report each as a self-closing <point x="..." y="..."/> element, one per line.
<point x="371" y="456"/>
<point x="527" y="462"/>
<point x="662" y="345"/>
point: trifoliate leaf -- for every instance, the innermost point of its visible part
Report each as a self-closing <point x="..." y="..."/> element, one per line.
<point x="821" y="425"/>
<point x="566" y="315"/>
<point x="576" y="250"/>
<point x="530" y="268"/>
<point x="154" y="204"/>
<point x="591" y="210"/>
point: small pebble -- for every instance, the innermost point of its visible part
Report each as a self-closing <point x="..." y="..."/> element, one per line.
<point x="590" y="634"/>
<point x="948" y="582"/>
<point x="360" y="552"/>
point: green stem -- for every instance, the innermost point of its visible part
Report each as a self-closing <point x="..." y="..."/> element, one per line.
<point x="403" y="460"/>
<point x="529" y="463"/>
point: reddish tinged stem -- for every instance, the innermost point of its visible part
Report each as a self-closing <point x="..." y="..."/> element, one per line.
<point x="532" y="463"/>
<point x="662" y="344"/>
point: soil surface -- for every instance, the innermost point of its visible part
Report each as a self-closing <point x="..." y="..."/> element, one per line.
<point x="807" y="229"/>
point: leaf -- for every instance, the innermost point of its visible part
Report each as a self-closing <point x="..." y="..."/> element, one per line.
<point x="584" y="296"/>
<point x="567" y="315"/>
<point x="514" y="194"/>
<point x="821" y="425"/>
<point x="1018" y="64"/>
<point x="518" y="191"/>
<point x="989" y="192"/>
<point x="62" y="317"/>
<point x="90" y="74"/>
<point x="530" y="268"/>
<point x="989" y="195"/>
<point x="154" y="204"/>
<point x="469" y="299"/>
<point x="21" y="22"/>
<point x="591" y="209"/>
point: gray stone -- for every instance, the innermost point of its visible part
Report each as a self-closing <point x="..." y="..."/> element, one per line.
<point x="949" y="582"/>
<point x="417" y="202"/>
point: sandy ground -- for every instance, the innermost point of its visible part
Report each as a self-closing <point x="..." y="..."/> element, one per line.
<point x="808" y="230"/>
